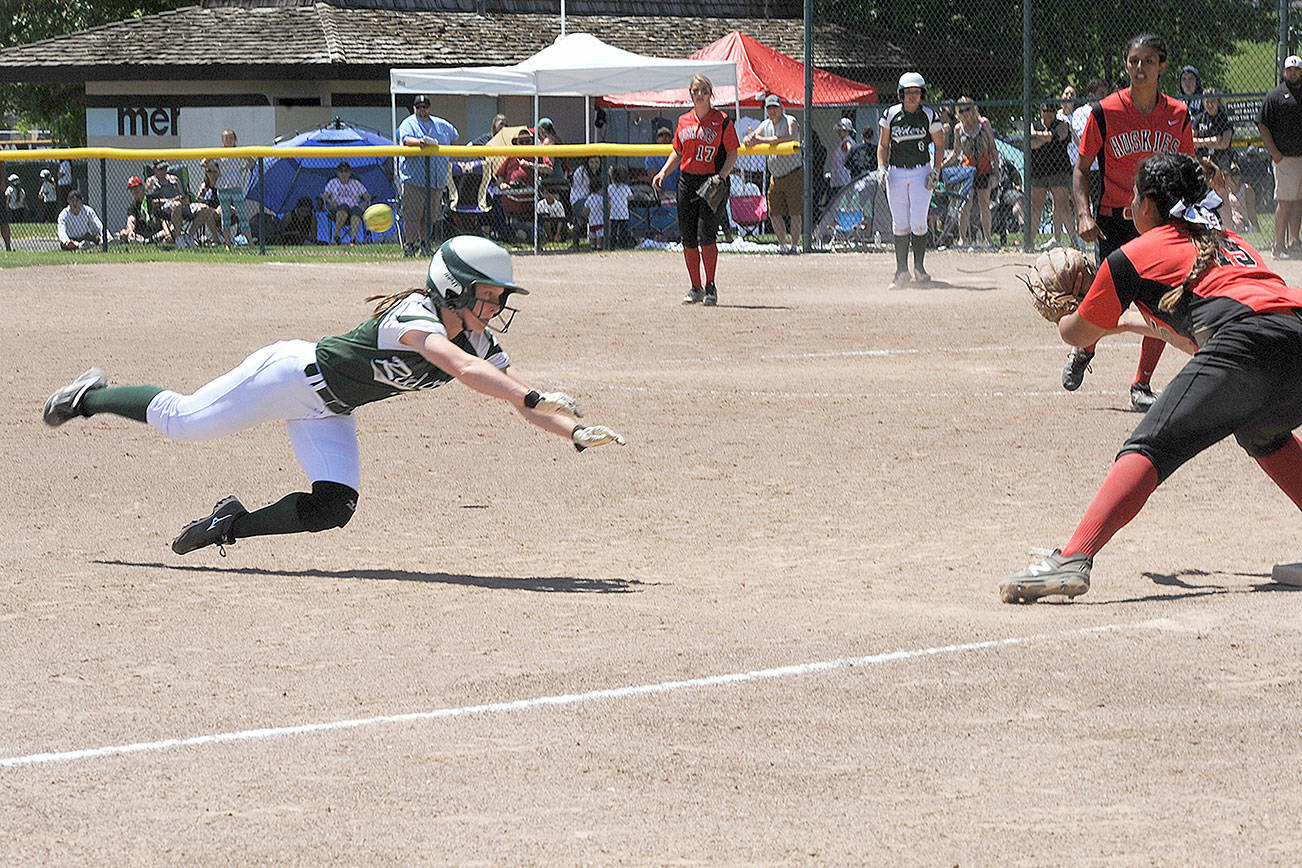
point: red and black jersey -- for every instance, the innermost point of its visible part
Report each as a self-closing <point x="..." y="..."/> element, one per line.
<point x="703" y="143"/>
<point x="1122" y="137"/>
<point x="1143" y="270"/>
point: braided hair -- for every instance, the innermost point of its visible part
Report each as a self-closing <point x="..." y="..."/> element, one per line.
<point x="1168" y="179"/>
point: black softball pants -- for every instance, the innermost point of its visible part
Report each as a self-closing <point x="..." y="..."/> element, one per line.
<point x="698" y="224"/>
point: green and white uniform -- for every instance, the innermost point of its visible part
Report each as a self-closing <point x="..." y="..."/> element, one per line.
<point x="910" y="160"/>
<point x="313" y="388"/>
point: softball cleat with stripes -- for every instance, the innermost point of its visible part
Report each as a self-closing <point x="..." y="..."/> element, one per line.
<point x="1069" y="576"/>
<point x="694" y="295"/>
<point x="66" y="403"/>
<point x="212" y="529"/>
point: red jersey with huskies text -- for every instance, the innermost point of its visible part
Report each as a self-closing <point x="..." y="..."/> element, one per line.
<point x="1238" y="284"/>
<point x="702" y="143"/>
<point x="1122" y="137"/>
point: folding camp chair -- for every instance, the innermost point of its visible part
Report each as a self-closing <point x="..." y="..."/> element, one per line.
<point x="749" y="213"/>
<point x="847" y="226"/>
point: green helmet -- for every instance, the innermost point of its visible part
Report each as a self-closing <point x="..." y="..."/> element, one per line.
<point x="463" y="261"/>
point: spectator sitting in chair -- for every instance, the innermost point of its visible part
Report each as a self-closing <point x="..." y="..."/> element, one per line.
<point x="79" y="226"/>
<point x="551" y="213"/>
<point x="297" y="227"/>
<point x="143" y="225"/>
<point x="347" y="198"/>
<point x="499" y="121"/>
<point x="519" y="172"/>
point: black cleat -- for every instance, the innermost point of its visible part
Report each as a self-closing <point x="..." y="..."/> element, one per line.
<point x="212" y="529"/>
<point x="1073" y="373"/>
<point x="65" y="404"/>
<point x="711" y="295"/>
<point x="1141" y="397"/>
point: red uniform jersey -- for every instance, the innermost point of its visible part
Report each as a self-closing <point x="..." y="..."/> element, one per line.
<point x="1122" y="137"/>
<point x="702" y="144"/>
<point x="1238" y="284"/>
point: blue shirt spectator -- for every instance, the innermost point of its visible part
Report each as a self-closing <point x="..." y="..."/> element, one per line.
<point x="423" y="128"/>
<point x="664" y="136"/>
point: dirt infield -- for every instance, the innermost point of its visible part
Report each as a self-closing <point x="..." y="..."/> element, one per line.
<point x="820" y="472"/>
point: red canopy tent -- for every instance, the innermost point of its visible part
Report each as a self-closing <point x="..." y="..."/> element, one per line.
<point x="761" y="70"/>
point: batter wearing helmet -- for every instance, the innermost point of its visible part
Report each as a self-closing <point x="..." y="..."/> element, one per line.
<point x="1208" y="291"/>
<point x="1123" y="130"/>
<point x="910" y="151"/>
<point x="415" y="339"/>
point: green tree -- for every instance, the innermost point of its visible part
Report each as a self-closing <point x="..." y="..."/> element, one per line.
<point x="60" y="108"/>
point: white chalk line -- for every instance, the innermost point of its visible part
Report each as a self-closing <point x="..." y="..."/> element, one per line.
<point x="554" y="701"/>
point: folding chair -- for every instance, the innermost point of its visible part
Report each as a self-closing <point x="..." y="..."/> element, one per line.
<point x="749" y="213"/>
<point x="847" y="226"/>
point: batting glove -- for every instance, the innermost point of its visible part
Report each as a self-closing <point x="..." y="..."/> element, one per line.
<point x="933" y="178"/>
<point x="881" y="176"/>
<point x="552" y="402"/>
<point x="585" y="437"/>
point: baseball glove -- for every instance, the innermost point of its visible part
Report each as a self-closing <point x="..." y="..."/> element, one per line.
<point x="1058" y="281"/>
<point x="713" y="191"/>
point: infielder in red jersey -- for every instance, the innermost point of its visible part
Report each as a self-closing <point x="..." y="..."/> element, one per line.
<point x="705" y="144"/>
<point x="1123" y="130"/>
<point x="1210" y="292"/>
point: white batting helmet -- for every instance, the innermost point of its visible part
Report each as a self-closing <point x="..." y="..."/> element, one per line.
<point x="911" y="79"/>
<point x="463" y="261"/>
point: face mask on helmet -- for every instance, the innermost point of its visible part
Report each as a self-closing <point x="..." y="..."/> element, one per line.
<point x="464" y="261"/>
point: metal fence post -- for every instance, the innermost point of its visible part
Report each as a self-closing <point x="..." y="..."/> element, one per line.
<point x="807" y="135"/>
<point x="103" y="201"/>
<point x="429" y="218"/>
<point x="262" y="211"/>
<point x="1031" y="224"/>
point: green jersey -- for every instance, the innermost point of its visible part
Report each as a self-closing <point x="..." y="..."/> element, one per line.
<point x="370" y="363"/>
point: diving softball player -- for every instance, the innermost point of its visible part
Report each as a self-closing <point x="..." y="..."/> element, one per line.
<point x="1209" y="292"/>
<point x="1123" y="130"/>
<point x="910" y="151"/>
<point x="415" y="339"/>
<point x="705" y="144"/>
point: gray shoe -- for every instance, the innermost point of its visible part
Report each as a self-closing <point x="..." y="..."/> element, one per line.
<point x="1053" y="575"/>
<point x="212" y="529"/>
<point x="1073" y="373"/>
<point x="1142" y="397"/>
<point x="711" y="297"/>
<point x="901" y="279"/>
<point x="694" y="295"/>
<point x="65" y="404"/>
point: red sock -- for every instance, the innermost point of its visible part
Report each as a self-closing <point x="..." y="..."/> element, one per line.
<point x="1284" y="467"/>
<point x="1150" y="350"/>
<point x="710" y="256"/>
<point x="1122" y="495"/>
<point x="693" y="257"/>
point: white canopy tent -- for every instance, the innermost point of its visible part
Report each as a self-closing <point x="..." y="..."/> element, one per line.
<point x="577" y="64"/>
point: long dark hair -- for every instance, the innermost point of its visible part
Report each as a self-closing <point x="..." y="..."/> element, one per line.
<point x="1155" y="41"/>
<point x="383" y="303"/>
<point x="1168" y="179"/>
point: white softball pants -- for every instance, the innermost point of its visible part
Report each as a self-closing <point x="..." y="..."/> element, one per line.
<point x="906" y="190"/>
<point x="268" y="385"/>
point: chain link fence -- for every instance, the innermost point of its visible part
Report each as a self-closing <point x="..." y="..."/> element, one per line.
<point x="976" y="51"/>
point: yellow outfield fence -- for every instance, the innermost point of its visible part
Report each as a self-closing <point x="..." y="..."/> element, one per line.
<point x="258" y="196"/>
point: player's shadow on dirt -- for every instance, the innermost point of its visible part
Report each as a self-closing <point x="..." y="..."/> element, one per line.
<point x="1191" y="590"/>
<point x="758" y="306"/>
<point x="945" y="284"/>
<point x="549" y="584"/>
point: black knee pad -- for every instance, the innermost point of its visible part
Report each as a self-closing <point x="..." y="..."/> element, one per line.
<point x="330" y="505"/>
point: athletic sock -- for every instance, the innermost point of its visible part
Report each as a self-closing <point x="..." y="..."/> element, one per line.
<point x="280" y="517"/>
<point x="1150" y="350"/>
<point x="901" y="253"/>
<point x="919" y="251"/>
<point x="692" y="256"/>
<point x="128" y="401"/>
<point x="1284" y="467"/>
<point x="710" y="259"/>
<point x="1122" y="495"/>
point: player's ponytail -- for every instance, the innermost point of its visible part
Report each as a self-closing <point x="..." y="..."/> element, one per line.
<point x="384" y="303"/>
<point x="1177" y="185"/>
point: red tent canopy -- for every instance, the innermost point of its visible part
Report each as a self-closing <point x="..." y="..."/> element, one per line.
<point x="761" y="70"/>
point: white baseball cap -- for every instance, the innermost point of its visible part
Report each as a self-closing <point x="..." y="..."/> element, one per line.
<point x="772" y="99"/>
<point x="1292" y="61"/>
<point x="845" y="124"/>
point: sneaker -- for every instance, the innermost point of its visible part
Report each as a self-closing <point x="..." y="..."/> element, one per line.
<point x="1073" y="373"/>
<point x="694" y="295"/>
<point x="920" y="276"/>
<point x="212" y="529"/>
<point x="65" y="404"/>
<point x="900" y="280"/>
<point x="1281" y="253"/>
<point x="711" y="295"/>
<point x="1141" y="397"/>
<point x="1053" y="575"/>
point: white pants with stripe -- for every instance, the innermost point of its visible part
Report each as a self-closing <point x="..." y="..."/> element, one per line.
<point x="267" y="386"/>
<point x="906" y="190"/>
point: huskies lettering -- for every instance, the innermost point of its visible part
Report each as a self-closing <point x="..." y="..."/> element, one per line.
<point x="705" y="134"/>
<point x="395" y="372"/>
<point x="1143" y="142"/>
